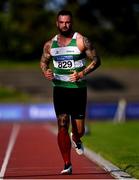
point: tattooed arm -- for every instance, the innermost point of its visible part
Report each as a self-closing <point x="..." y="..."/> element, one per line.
<point x="45" y="61"/>
<point x="86" y="46"/>
<point x="91" y="55"/>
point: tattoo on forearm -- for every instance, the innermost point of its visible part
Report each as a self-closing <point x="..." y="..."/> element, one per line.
<point x="91" y="67"/>
<point x="45" y="59"/>
<point x="91" y="55"/>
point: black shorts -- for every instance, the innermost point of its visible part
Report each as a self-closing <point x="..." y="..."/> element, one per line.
<point x="71" y="101"/>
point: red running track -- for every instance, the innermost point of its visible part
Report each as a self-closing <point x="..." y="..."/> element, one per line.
<point x="30" y="151"/>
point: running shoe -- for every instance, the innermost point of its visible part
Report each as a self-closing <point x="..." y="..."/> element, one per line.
<point x="67" y="169"/>
<point x="77" y="145"/>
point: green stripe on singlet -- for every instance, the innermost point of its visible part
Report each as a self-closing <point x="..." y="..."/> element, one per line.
<point x="54" y="44"/>
<point x="67" y="71"/>
<point x="65" y="84"/>
<point x="72" y="43"/>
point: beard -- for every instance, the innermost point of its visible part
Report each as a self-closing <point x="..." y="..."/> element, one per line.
<point x="65" y="33"/>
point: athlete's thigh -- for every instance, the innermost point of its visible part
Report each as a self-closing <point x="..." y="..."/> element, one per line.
<point x="78" y="108"/>
<point x="60" y="101"/>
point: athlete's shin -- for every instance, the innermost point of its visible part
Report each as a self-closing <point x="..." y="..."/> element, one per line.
<point x="63" y="138"/>
<point x="77" y="129"/>
<point x="64" y="144"/>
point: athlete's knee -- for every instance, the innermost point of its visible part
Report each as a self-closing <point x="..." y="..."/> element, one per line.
<point x="81" y="132"/>
<point x="78" y="132"/>
<point x="63" y="121"/>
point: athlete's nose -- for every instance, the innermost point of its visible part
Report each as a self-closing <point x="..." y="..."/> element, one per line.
<point x="64" y="24"/>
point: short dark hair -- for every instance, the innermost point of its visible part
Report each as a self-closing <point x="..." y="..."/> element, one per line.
<point x="64" y="12"/>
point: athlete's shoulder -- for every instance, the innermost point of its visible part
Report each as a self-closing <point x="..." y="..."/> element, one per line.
<point x="80" y="41"/>
<point x="79" y="35"/>
<point x="48" y="44"/>
<point x="85" y="42"/>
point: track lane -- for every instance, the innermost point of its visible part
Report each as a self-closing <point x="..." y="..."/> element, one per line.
<point x="5" y="132"/>
<point x="36" y="156"/>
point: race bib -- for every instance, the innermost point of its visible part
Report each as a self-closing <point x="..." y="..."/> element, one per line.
<point x="66" y="64"/>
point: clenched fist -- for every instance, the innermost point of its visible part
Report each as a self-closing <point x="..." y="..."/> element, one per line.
<point x="75" y="76"/>
<point x="49" y="74"/>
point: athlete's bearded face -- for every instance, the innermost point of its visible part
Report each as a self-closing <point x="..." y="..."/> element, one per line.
<point x="64" y="25"/>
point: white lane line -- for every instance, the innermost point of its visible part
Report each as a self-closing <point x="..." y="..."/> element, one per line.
<point x="103" y="163"/>
<point x="106" y="165"/>
<point x="12" y="140"/>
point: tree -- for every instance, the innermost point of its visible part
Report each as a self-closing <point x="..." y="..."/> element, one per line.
<point x="27" y="28"/>
<point x="112" y="25"/>
<point x="115" y="25"/>
<point x="25" y="25"/>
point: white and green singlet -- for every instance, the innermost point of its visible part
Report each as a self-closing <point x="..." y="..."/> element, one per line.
<point x="66" y="60"/>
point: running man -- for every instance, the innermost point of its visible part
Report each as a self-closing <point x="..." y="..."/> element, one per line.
<point x="69" y="52"/>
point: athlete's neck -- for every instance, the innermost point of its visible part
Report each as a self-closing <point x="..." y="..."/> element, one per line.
<point x="64" y="40"/>
<point x="70" y="35"/>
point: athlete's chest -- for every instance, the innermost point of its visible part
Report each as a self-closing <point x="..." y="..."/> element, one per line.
<point x="63" y="42"/>
<point x="64" y="51"/>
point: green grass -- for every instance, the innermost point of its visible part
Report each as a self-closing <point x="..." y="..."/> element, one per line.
<point x="12" y="95"/>
<point x="10" y="64"/>
<point x="107" y="62"/>
<point x="117" y="143"/>
<point x="121" y="62"/>
<point x="8" y="94"/>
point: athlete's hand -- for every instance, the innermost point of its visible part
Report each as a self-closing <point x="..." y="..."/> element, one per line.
<point x="49" y="74"/>
<point x="75" y="76"/>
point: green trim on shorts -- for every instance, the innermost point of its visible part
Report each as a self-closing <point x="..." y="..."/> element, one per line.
<point x="79" y="84"/>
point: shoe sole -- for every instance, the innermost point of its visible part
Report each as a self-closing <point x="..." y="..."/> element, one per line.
<point x="66" y="171"/>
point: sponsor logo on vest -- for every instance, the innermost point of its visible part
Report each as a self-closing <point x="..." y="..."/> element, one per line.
<point x="70" y="51"/>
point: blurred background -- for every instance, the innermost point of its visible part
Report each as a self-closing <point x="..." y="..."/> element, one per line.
<point x="26" y="24"/>
<point x="112" y="26"/>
